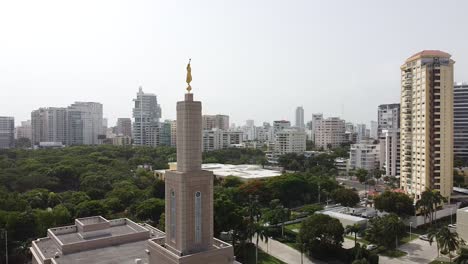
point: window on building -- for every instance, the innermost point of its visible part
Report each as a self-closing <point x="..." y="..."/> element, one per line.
<point x="173" y="215"/>
<point x="198" y="217"/>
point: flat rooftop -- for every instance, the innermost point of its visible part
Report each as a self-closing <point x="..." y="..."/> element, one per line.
<point x="247" y="172"/>
<point x="69" y="238"/>
<point x="96" y="240"/>
<point x="244" y="171"/>
<point x="124" y="253"/>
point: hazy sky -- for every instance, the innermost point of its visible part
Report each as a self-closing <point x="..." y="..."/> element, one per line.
<point x="251" y="59"/>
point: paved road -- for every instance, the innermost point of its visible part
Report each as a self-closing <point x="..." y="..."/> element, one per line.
<point x="419" y="251"/>
<point x="285" y="253"/>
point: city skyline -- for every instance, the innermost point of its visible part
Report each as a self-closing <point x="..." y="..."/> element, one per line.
<point x="130" y="46"/>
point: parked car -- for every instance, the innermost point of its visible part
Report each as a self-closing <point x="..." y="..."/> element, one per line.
<point x="452" y="226"/>
<point x="424" y="237"/>
<point x="371" y="247"/>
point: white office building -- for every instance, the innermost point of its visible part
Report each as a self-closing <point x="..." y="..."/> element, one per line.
<point x="7" y="132"/>
<point x="85" y="123"/>
<point x="300" y="117"/>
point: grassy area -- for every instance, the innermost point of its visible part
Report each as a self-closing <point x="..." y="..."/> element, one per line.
<point x="263" y="258"/>
<point x="391" y="253"/>
<point x="294" y="245"/>
<point x="291" y="227"/>
<point x="407" y="238"/>
<point x="359" y="240"/>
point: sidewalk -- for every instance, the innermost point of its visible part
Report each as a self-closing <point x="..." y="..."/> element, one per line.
<point x="284" y="252"/>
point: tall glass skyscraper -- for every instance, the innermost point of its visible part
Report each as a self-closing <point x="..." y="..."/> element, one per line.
<point x="146" y="115"/>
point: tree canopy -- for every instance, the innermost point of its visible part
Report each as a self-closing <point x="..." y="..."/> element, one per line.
<point x="394" y="202"/>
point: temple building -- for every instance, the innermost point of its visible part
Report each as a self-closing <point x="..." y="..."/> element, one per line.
<point x="189" y="216"/>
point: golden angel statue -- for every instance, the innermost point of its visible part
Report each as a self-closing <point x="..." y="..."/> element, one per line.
<point x="189" y="76"/>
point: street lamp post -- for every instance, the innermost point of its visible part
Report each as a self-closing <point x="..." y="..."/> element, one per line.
<point x="451" y="213"/>
<point x="410" y="236"/>
<point x="6" y="244"/>
<point x="302" y="253"/>
<point x="319" y="193"/>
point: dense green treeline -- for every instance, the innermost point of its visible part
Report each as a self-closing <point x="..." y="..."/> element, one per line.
<point x="40" y="189"/>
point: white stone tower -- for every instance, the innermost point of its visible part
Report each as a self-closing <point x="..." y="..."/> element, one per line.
<point x="189" y="199"/>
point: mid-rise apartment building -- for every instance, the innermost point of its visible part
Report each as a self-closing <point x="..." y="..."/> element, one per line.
<point x="427" y="123"/>
<point x="49" y="125"/>
<point x="290" y="141"/>
<point x="124" y="127"/>
<point x="279" y="125"/>
<point x="316" y="118"/>
<point x="390" y="152"/>
<point x="388" y="117"/>
<point x="24" y="131"/>
<point x="215" y="121"/>
<point x="330" y="133"/>
<point x="364" y="156"/>
<point x="388" y="122"/>
<point x="373" y="130"/>
<point x="361" y="131"/>
<point x="174" y="133"/>
<point x="79" y="124"/>
<point x="221" y="139"/>
<point x="460" y="120"/>
<point x="7" y="132"/>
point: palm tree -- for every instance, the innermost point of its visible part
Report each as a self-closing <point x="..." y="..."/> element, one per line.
<point x="449" y="241"/>
<point x="437" y="199"/>
<point x="261" y="232"/>
<point x="424" y="205"/>
<point x="433" y="235"/>
<point x="353" y="229"/>
<point x="430" y="200"/>
<point x="394" y="226"/>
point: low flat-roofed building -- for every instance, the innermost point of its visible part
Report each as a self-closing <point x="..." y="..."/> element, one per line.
<point x="345" y="219"/>
<point x="342" y="165"/>
<point x="95" y="240"/>
<point x="462" y="223"/>
<point x="49" y="145"/>
<point x="244" y="171"/>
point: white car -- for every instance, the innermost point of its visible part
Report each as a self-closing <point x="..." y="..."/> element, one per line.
<point x="371" y="247"/>
<point x="424" y="237"/>
<point x="452" y="226"/>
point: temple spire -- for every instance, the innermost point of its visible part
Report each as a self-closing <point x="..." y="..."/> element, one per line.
<point x="189" y="76"/>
